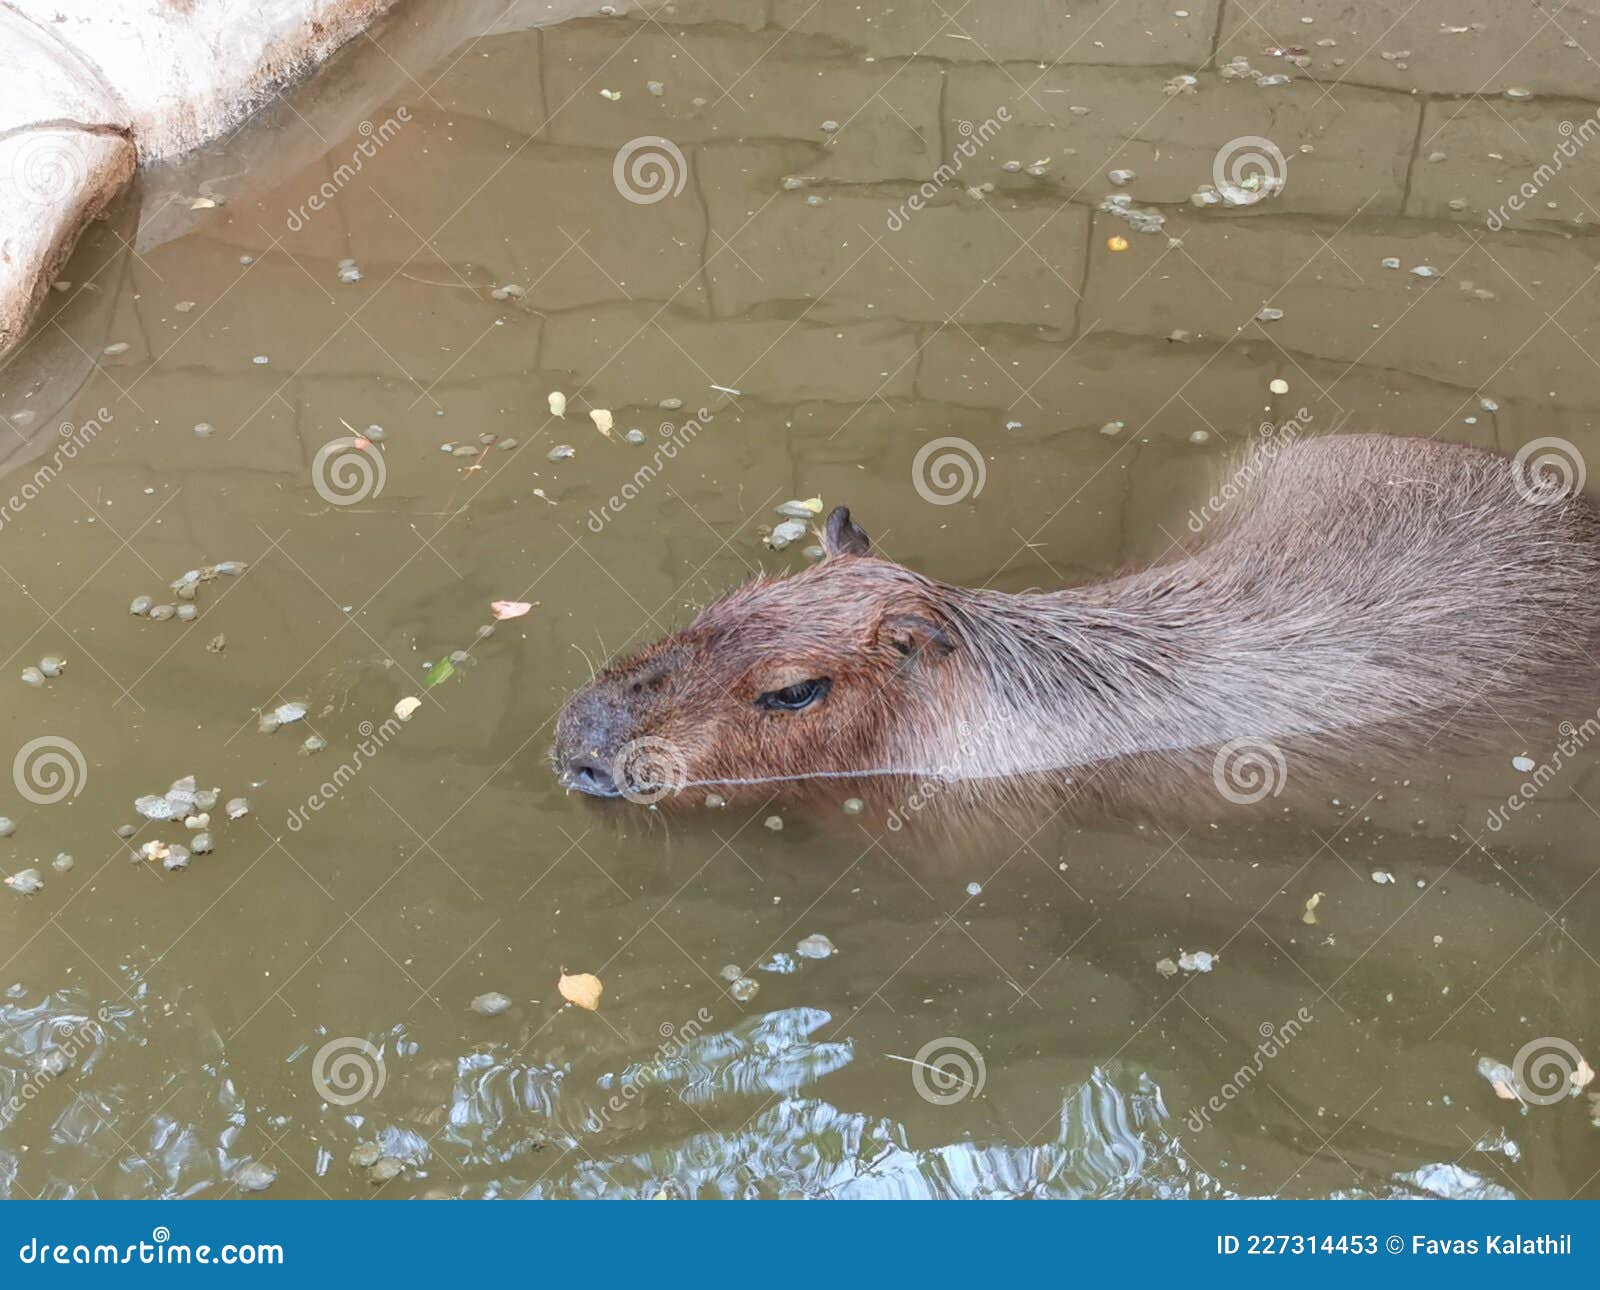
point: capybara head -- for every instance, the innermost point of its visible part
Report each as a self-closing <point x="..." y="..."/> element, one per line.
<point x="806" y="677"/>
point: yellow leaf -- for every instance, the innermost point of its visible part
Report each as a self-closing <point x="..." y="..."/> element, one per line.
<point x="581" y="988"/>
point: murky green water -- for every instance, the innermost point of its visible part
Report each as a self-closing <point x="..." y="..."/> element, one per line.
<point x="163" y="1030"/>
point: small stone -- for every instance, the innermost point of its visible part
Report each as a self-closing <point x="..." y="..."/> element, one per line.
<point x="217" y="644"/>
<point x="829" y="127"/>
<point x="1268" y="314"/>
<point x="32" y="676"/>
<point x="365" y="1155"/>
<point x="255" y="1176"/>
<point x="715" y="801"/>
<point x="1166" y="967"/>
<point x="201" y="844"/>
<point x="815" y="946"/>
<point x="853" y="806"/>
<point x="670" y="405"/>
<point x="635" y="437"/>
<point x="784" y="534"/>
<point x="1121" y="178"/>
<point x="1391" y="262"/>
<point x="126" y="830"/>
<point x="1424" y="271"/>
<point x="561" y="452"/>
<point x="731" y="972"/>
<point x="160" y="613"/>
<point x="187" y="613"/>
<point x="774" y="822"/>
<point x="656" y="88"/>
<point x="7" y="827"/>
<point x="385" y="1169"/>
<point x="62" y="862"/>
<point x="1199" y="436"/>
<point x="491" y="1004"/>
<point x="1113" y="427"/>
<point x="140" y="605"/>
<point x="313" y="745"/>
<point x="198" y="821"/>
<point x="1279" y="386"/>
<point x="176" y="857"/>
<point x="237" y="808"/>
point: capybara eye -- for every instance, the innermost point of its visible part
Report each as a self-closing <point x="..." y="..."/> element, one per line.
<point x="794" y="697"/>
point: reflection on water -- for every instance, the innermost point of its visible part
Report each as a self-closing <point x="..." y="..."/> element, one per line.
<point x="1040" y="1009"/>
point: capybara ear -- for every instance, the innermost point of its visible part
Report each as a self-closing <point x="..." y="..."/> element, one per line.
<point x="915" y="636"/>
<point x="843" y="537"/>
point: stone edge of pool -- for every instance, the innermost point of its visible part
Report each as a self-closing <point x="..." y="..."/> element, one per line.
<point x="90" y="93"/>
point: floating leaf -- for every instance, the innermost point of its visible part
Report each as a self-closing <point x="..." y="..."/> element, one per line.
<point x="439" y="673"/>
<point x="603" y="421"/>
<point x="581" y="988"/>
<point x="406" y="707"/>
<point x="504" y="609"/>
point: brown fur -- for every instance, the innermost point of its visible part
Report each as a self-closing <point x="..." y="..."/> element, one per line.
<point x="1362" y="592"/>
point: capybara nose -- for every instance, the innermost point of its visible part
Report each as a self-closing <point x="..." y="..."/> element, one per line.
<point x="590" y="775"/>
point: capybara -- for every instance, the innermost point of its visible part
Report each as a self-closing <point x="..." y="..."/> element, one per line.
<point x="1356" y="588"/>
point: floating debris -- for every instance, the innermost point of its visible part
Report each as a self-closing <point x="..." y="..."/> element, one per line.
<point x="731" y="972"/>
<point x="744" y="989"/>
<point x="1268" y="314"/>
<point x="491" y="1004"/>
<point x="313" y="745"/>
<point x="385" y="1169"/>
<point x="1121" y="178"/>
<point x="7" y="827"/>
<point x="561" y="452"/>
<point x="786" y="533"/>
<point x="1166" y="967"/>
<point x="581" y="988"/>
<point x="1278" y="386"/>
<point x="32" y="676"/>
<point x="558" y="403"/>
<point x="366" y="1154"/>
<point x="407" y="707"/>
<point x="349" y="271"/>
<point x="1198" y="961"/>
<point x="1391" y="262"/>
<point x="603" y="420"/>
<point x="1523" y="762"/>
<point x="853" y="806"/>
<point x="62" y="862"/>
<point x="1141" y="221"/>
<point x="774" y="823"/>
<point x="176" y="857"/>
<point x="1116" y="242"/>
<point x="1309" y="917"/>
<point x="815" y="946"/>
<point x="1382" y="877"/>
<point x="237" y="808"/>
<point x="1113" y="427"/>
<point x="670" y="405"/>
<point x="201" y="844"/>
<point x="255" y="1176"/>
<point x="504" y="609"/>
<point x="780" y="964"/>
<point x="801" y="510"/>
<point x="1424" y="271"/>
<point x="25" y="881"/>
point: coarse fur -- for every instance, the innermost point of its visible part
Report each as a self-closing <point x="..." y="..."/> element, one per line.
<point x="1360" y="591"/>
